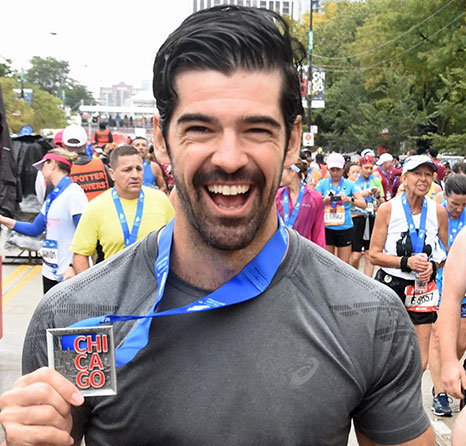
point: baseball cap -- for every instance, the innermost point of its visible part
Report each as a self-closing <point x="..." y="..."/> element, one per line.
<point x="74" y="136"/>
<point x="51" y="156"/>
<point x="335" y="160"/>
<point x="366" y="159"/>
<point x="58" y="139"/>
<point x="413" y="162"/>
<point x="368" y="152"/>
<point x="384" y="158"/>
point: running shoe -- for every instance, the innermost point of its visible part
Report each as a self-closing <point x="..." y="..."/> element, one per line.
<point x="441" y="405"/>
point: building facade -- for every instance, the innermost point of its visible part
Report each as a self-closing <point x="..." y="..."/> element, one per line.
<point x="288" y="7"/>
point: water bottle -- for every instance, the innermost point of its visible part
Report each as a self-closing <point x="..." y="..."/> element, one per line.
<point x="420" y="287"/>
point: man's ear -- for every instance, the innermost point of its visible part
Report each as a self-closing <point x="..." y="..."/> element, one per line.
<point x="112" y="174"/>
<point x="160" y="149"/>
<point x="294" y="143"/>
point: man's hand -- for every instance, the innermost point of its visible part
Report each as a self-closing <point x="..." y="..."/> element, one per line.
<point x="69" y="273"/>
<point x="38" y="409"/>
<point x="453" y="378"/>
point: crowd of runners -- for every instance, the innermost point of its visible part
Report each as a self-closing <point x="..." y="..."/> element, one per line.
<point x="402" y="218"/>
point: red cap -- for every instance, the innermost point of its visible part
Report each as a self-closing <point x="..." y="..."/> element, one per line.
<point x="366" y="159"/>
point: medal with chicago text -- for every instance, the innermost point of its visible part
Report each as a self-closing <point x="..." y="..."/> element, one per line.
<point x="85" y="356"/>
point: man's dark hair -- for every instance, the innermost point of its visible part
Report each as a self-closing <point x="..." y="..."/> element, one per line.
<point x="123" y="150"/>
<point x="456" y="184"/>
<point x="459" y="167"/>
<point x="226" y="39"/>
<point x="140" y="137"/>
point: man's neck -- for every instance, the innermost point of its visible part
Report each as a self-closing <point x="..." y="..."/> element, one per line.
<point x="127" y="195"/>
<point x="204" y="266"/>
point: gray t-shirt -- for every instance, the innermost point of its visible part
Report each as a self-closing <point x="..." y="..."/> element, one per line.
<point x="323" y="345"/>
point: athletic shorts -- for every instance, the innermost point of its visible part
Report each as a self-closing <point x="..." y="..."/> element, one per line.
<point x="463" y="310"/>
<point x="339" y="238"/>
<point x="358" y="233"/>
<point x="398" y="285"/>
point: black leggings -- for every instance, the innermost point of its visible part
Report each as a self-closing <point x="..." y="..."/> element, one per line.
<point x="48" y="283"/>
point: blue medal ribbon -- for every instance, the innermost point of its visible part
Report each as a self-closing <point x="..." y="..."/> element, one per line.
<point x="250" y="282"/>
<point x="289" y="222"/>
<point x="128" y="237"/>
<point x="454" y="225"/>
<point x="57" y="190"/>
<point x="417" y="237"/>
<point x="336" y="191"/>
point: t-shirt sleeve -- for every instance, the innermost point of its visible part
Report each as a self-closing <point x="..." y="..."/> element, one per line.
<point x="321" y="187"/>
<point x="86" y="234"/>
<point x="391" y="411"/>
<point x="378" y="183"/>
<point x="78" y="202"/>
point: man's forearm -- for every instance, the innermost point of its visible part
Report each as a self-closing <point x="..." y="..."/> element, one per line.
<point x="80" y="263"/>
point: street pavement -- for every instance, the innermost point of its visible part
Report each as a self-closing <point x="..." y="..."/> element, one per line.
<point x="22" y="290"/>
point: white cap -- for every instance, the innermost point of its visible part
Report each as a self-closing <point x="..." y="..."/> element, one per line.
<point x="335" y="160"/>
<point x="367" y="152"/>
<point x="413" y="162"/>
<point x="74" y="136"/>
<point x="384" y="158"/>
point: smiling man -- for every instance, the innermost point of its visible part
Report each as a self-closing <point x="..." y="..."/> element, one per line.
<point x="267" y="339"/>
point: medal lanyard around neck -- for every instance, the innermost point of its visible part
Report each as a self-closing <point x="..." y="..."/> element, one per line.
<point x="417" y="237"/>
<point x="454" y="225"/>
<point x="128" y="237"/>
<point x="57" y="190"/>
<point x="251" y="281"/>
<point x="364" y="185"/>
<point x="336" y="191"/>
<point x="289" y="222"/>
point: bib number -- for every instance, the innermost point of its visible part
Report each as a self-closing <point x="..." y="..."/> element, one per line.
<point x="422" y="302"/>
<point x="334" y="216"/>
<point x="49" y="253"/>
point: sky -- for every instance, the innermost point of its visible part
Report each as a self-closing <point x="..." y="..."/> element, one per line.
<point x="105" y="42"/>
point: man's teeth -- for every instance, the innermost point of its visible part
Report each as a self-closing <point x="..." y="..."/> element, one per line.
<point x="228" y="190"/>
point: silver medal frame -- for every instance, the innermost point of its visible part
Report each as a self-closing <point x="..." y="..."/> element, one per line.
<point x="64" y="361"/>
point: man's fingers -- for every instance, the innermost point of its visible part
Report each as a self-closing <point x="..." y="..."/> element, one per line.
<point x="58" y="382"/>
<point x="17" y="434"/>
<point x="36" y="416"/>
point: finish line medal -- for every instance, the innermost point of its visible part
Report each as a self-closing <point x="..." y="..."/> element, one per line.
<point x="85" y="356"/>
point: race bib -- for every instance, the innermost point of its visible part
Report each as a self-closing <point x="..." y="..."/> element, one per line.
<point x="422" y="302"/>
<point x="334" y="216"/>
<point x="49" y="253"/>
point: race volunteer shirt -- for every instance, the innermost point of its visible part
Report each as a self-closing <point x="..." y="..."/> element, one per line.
<point x="60" y="227"/>
<point x="348" y="189"/>
<point x="245" y="374"/>
<point x="100" y="222"/>
<point x="91" y="175"/>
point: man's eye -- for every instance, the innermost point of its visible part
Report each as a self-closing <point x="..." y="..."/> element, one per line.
<point x="259" y="131"/>
<point x="197" y="129"/>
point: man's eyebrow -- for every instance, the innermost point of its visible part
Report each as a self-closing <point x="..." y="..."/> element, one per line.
<point x="188" y="117"/>
<point x="260" y="119"/>
<point x="256" y="119"/>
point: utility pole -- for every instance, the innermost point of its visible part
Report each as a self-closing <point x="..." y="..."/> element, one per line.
<point x="309" y="69"/>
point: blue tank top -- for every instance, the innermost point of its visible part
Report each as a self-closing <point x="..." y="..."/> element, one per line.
<point x="148" y="178"/>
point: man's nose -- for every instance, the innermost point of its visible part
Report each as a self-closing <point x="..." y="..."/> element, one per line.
<point x="230" y="152"/>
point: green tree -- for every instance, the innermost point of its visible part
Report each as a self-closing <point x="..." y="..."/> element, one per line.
<point x="18" y="112"/>
<point x="75" y="93"/>
<point x="49" y="74"/>
<point x="48" y="112"/>
<point x="5" y="68"/>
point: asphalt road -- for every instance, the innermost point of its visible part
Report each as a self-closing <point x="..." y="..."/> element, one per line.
<point x="22" y="290"/>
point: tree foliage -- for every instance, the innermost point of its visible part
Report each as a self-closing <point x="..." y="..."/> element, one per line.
<point x="391" y="64"/>
<point x="44" y="112"/>
<point x="49" y="74"/>
<point x="52" y="75"/>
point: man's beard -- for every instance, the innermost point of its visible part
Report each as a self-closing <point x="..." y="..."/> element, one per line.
<point x="223" y="233"/>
